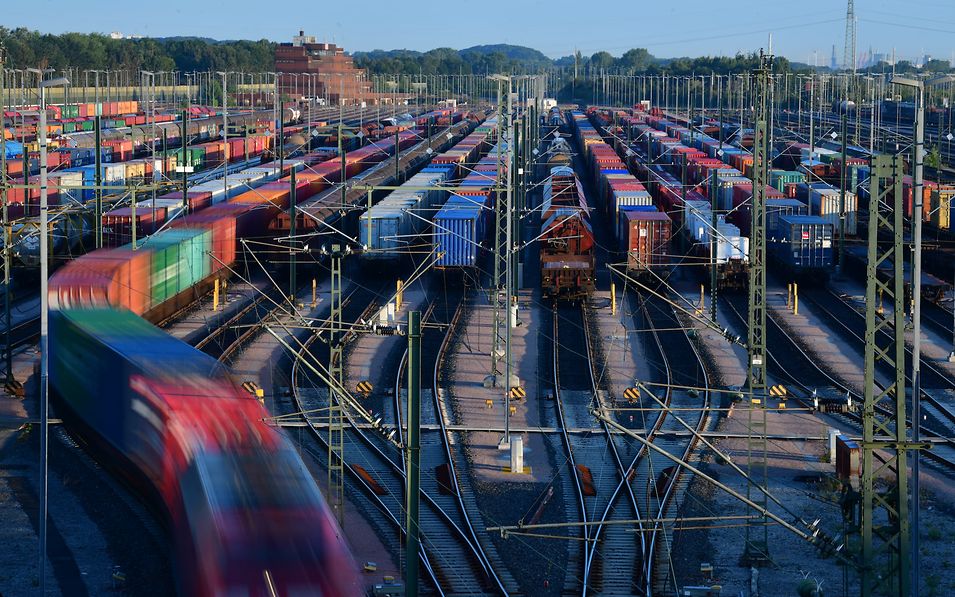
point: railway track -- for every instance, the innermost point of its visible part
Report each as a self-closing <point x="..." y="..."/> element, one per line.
<point x="439" y="449"/>
<point x="615" y="479"/>
<point x="934" y="316"/>
<point x="612" y="565"/>
<point x="573" y="399"/>
<point x="940" y="419"/>
<point x="802" y="372"/>
<point x="688" y="391"/>
<point x="451" y="562"/>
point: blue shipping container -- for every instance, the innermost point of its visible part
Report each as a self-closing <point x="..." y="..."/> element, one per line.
<point x="804" y="244"/>
<point x="459" y="229"/>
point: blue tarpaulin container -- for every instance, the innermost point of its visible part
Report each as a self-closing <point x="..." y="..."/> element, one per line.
<point x="13" y="149"/>
<point x="459" y="229"/>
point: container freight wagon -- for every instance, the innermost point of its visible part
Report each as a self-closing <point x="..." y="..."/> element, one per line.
<point x="393" y="226"/>
<point x="459" y="230"/>
<point x="824" y="201"/>
<point x="731" y="257"/>
<point x="803" y="245"/>
<point x="168" y="419"/>
<point x="644" y="239"/>
<point x="326" y="173"/>
<point x="460" y="227"/>
<point x="566" y="238"/>
<point x="170" y="269"/>
<point x="151" y="215"/>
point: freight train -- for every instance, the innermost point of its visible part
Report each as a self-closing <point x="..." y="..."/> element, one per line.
<point x="567" y="261"/>
<point x="246" y="516"/>
<point x="641" y="231"/>
<point x="393" y="226"/>
<point x="461" y="226"/>
<point x="697" y="172"/>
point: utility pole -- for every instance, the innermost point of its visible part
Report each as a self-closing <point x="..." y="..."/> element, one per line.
<point x="713" y="281"/>
<point x="336" y="432"/>
<point x="291" y="242"/>
<point x="98" y="179"/>
<point x="7" y="228"/>
<point x="279" y="112"/>
<point x="185" y="167"/>
<point x="503" y="257"/>
<point x="44" y="322"/>
<point x="757" y="544"/>
<point x="413" y="479"/>
<point x="842" y="199"/>
<point x="225" y="130"/>
<point x="889" y="537"/>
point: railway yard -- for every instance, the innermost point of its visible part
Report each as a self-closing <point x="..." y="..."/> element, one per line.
<point x="477" y="340"/>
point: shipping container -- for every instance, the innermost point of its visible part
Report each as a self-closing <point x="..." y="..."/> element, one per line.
<point x="459" y="230"/>
<point x="803" y="244"/>
<point x="645" y="238"/>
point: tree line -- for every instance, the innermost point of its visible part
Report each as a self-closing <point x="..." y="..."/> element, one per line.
<point x="32" y="49"/>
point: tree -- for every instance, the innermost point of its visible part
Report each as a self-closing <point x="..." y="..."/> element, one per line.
<point x="601" y="60"/>
<point x="936" y="66"/>
<point x="637" y="59"/>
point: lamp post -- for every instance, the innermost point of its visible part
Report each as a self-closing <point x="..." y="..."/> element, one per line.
<point x="917" y="198"/>
<point x="225" y="129"/>
<point x="44" y="320"/>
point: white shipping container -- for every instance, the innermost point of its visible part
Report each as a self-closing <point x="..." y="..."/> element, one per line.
<point x="628" y="198"/>
<point x="113" y="173"/>
<point x="400" y="216"/>
<point x="825" y="203"/>
<point x="730" y="245"/>
<point x="66" y="180"/>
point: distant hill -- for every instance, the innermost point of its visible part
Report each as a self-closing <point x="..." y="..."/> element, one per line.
<point x="517" y="53"/>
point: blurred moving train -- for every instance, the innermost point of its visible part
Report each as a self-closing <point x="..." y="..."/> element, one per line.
<point x="245" y="514"/>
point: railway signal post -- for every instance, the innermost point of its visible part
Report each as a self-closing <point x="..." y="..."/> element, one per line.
<point x="889" y="537"/>
<point x="757" y="544"/>
<point x="336" y="431"/>
<point x="413" y="492"/>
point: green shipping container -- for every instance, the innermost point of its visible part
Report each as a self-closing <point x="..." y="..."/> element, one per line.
<point x="88" y="125"/>
<point x="195" y="246"/>
<point x="164" y="274"/>
<point x="779" y="178"/>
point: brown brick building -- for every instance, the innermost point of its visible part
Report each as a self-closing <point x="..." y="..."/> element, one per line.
<point x="321" y="70"/>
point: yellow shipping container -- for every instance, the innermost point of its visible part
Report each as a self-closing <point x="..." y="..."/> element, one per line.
<point x="941" y="202"/>
<point x="135" y="169"/>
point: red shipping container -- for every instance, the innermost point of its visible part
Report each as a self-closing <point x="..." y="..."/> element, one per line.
<point x="118" y="224"/>
<point x="114" y="277"/>
<point x="250" y="220"/>
<point x="645" y="237"/>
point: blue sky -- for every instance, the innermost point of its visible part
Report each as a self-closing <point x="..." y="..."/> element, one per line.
<point x="801" y="28"/>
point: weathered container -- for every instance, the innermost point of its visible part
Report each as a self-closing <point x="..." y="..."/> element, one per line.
<point x="824" y="201"/>
<point x="118" y="223"/>
<point x="645" y="238"/>
<point x="390" y="228"/>
<point x="848" y="460"/>
<point x="803" y="243"/>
